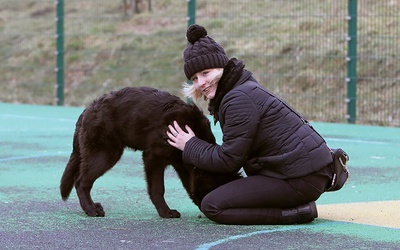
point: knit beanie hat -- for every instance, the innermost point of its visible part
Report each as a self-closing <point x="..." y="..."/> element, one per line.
<point x="202" y="52"/>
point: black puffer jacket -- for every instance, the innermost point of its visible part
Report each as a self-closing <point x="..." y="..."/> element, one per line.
<point x="260" y="132"/>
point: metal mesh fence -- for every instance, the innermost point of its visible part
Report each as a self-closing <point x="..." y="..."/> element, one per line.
<point x="27" y="51"/>
<point x="378" y="85"/>
<point x="297" y="49"/>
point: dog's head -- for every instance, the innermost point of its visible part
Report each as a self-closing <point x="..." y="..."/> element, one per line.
<point x="201" y="125"/>
<point x="191" y="115"/>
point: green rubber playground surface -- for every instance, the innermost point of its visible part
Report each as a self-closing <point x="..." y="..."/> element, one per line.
<point x="35" y="143"/>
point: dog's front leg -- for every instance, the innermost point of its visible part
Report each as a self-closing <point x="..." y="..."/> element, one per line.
<point x="155" y="187"/>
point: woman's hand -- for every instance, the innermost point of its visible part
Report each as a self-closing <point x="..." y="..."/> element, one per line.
<point x="178" y="137"/>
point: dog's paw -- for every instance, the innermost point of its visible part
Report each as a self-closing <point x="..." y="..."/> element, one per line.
<point x="171" y="214"/>
<point x="96" y="211"/>
<point x="174" y="214"/>
<point x="99" y="210"/>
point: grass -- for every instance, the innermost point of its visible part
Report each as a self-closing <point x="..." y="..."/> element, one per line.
<point x="297" y="49"/>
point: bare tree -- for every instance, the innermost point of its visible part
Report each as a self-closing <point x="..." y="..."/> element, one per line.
<point x="135" y="6"/>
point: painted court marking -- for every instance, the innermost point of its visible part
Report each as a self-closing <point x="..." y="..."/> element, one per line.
<point x="355" y="140"/>
<point x="38" y="118"/>
<point x="16" y="158"/>
<point x="207" y="246"/>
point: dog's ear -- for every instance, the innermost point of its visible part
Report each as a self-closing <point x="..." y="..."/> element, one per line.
<point x="201" y="125"/>
<point x="191" y="115"/>
<point x="176" y="113"/>
<point x="170" y="106"/>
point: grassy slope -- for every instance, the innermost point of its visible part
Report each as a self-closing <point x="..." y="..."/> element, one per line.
<point x="296" y="49"/>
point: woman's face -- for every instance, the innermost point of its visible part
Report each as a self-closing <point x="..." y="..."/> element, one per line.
<point x="204" y="82"/>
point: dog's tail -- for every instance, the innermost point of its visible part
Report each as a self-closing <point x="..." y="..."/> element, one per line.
<point x="71" y="171"/>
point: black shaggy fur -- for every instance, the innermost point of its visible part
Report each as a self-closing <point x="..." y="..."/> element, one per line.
<point x="137" y="118"/>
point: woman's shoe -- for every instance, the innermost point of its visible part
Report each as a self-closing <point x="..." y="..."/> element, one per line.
<point x="300" y="214"/>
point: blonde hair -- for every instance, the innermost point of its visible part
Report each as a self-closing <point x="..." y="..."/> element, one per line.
<point x="189" y="91"/>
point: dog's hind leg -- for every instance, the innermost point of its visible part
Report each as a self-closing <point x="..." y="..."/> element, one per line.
<point x="95" y="165"/>
<point x="154" y="171"/>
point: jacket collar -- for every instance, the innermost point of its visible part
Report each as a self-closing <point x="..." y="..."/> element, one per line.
<point x="234" y="74"/>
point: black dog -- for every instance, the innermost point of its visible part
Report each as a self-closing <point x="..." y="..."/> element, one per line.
<point x="137" y="118"/>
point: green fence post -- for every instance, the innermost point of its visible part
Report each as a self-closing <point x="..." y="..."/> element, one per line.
<point x="191" y="17"/>
<point x="352" y="62"/>
<point x="60" y="52"/>
<point x="191" y="12"/>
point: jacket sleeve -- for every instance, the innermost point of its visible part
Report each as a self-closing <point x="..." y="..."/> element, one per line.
<point x="241" y="119"/>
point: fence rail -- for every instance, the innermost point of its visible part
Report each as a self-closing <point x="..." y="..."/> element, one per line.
<point x="333" y="60"/>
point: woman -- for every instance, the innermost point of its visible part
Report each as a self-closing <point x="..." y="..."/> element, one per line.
<point x="287" y="163"/>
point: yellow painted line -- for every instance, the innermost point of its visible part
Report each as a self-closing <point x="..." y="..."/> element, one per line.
<point x="380" y="213"/>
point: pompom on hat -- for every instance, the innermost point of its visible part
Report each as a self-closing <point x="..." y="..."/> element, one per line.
<point x="202" y="52"/>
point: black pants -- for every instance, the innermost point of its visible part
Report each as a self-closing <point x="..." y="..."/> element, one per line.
<point x="260" y="199"/>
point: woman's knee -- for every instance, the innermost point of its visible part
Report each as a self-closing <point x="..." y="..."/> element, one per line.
<point x="209" y="207"/>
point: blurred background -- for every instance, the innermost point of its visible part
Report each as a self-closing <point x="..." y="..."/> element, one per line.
<point x="333" y="60"/>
